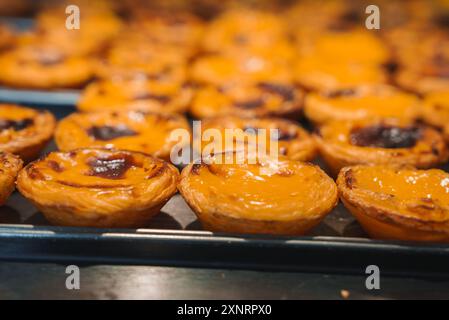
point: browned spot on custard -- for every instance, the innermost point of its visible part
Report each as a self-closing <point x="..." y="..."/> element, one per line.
<point x="385" y="136"/>
<point x="350" y="179"/>
<point x="55" y="166"/>
<point x="339" y="93"/>
<point x="249" y="104"/>
<point x="106" y="133"/>
<point x="16" y="125"/>
<point x="112" y="167"/>
<point x="286" y="92"/>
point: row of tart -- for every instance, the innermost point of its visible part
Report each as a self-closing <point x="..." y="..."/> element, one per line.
<point x="106" y="188"/>
<point x="26" y="131"/>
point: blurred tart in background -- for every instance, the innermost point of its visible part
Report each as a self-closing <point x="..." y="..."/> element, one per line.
<point x="318" y="74"/>
<point x="98" y="188"/>
<point x="436" y="108"/>
<point x="394" y="203"/>
<point x="260" y="99"/>
<point x="362" y="102"/>
<point x="24" y="131"/>
<point x="44" y="67"/>
<point x="244" y="29"/>
<point x="7" y="37"/>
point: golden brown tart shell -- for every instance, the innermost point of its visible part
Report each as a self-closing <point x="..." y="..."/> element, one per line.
<point x="98" y="188"/>
<point x="25" y="131"/>
<point x="10" y="166"/>
<point x="395" y="203"/>
<point x="380" y="141"/>
<point x="124" y="130"/>
<point x="281" y="196"/>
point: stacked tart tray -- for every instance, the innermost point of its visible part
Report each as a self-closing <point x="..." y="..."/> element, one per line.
<point x="94" y="122"/>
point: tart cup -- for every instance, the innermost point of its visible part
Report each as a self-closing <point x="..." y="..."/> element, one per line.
<point x="98" y="188"/>
<point x="397" y="203"/>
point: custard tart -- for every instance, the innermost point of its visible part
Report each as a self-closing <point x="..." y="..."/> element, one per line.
<point x="98" y="187"/>
<point x="435" y="109"/>
<point x="10" y="166"/>
<point x="179" y="30"/>
<point x="129" y="55"/>
<point x="124" y="130"/>
<point x="6" y="37"/>
<point x="258" y="99"/>
<point x="376" y="101"/>
<point x="24" y="131"/>
<point x="44" y="67"/>
<point x="138" y="92"/>
<point x="397" y="203"/>
<point x="320" y="74"/>
<point x="243" y="29"/>
<point x="380" y="141"/>
<point x="276" y="196"/>
<point x="232" y="132"/>
<point x="223" y="70"/>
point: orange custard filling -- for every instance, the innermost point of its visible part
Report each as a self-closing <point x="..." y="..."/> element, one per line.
<point x="398" y="203"/>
